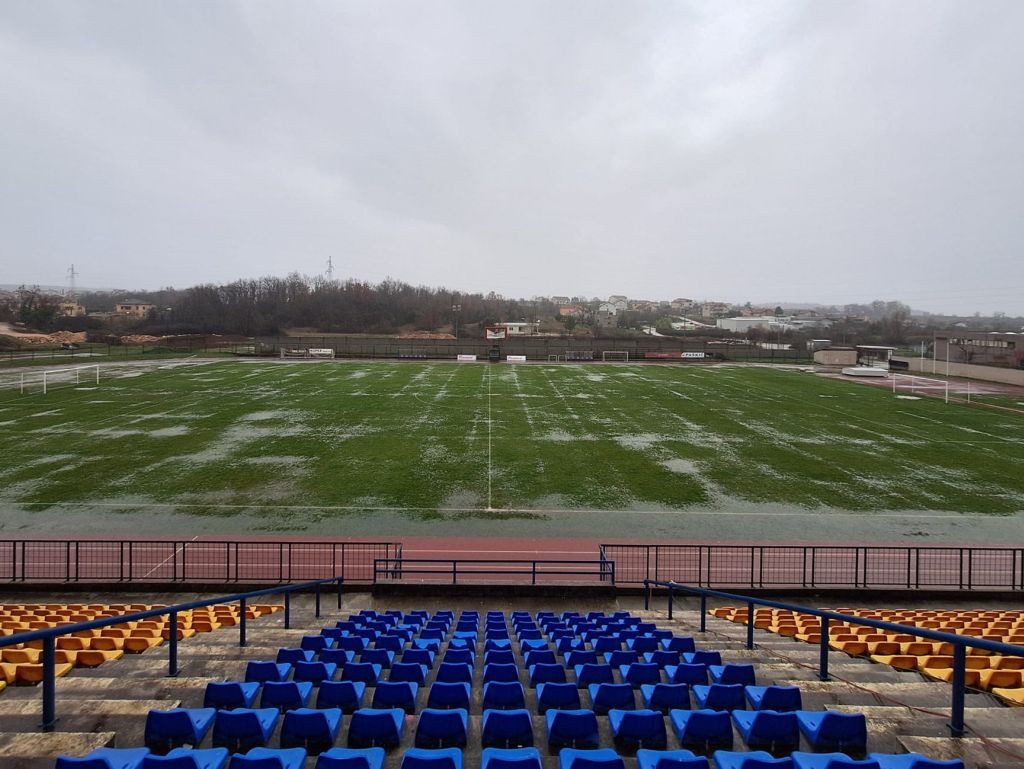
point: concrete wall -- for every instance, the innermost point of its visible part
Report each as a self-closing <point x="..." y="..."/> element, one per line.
<point x="985" y="373"/>
<point x="836" y="357"/>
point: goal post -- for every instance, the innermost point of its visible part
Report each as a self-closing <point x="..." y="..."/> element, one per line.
<point x="909" y="383"/>
<point x="50" y="378"/>
<point x="614" y="355"/>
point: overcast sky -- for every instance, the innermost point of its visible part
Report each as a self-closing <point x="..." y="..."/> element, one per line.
<point x="805" y="151"/>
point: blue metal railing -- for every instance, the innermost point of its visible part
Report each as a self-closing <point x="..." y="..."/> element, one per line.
<point x="385" y="569"/>
<point x="959" y="642"/>
<point x="49" y="635"/>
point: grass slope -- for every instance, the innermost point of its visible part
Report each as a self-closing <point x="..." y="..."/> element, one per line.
<point x="224" y="438"/>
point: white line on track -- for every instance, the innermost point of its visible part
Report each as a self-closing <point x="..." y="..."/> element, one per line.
<point x="175" y="554"/>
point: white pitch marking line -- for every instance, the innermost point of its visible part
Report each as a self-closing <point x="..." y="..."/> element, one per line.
<point x="177" y="551"/>
<point x="489" y="473"/>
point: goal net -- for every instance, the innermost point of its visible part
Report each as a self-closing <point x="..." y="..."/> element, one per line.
<point x="908" y="384"/>
<point x="614" y="355"/>
<point x="49" y="379"/>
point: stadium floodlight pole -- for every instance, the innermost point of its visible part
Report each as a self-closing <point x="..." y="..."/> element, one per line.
<point x="456" y="309"/>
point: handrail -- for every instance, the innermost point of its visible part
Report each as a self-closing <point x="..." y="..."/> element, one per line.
<point x="48" y="635"/>
<point x="394" y="568"/>
<point x="959" y="642"/>
<point x="781" y="565"/>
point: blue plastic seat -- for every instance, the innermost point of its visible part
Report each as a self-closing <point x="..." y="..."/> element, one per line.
<point x="530" y="634"/>
<point x="566" y="645"/>
<point x="503" y="695"/>
<point x="312" y="729"/>
<point x="338" y="656"/>
<point x="366" y="672"/>
<point x="679" y="644"/>
<point x="346" y="695"/>
<point x="228" y="695"/>
<point x="558" y="696"/>
<point x="455" y="673"/>
<point x="665" y="697"/>
<point x="503" y="673"/>
<point x="188" y="758"/>
<point x="507" y="729"/>
<point x="442" y="696"/>
<point x="395" y="694"/>
<point x="391" y="643"/>
<point x="242" y="729"/>
<point x="605" y="697"/>
<point x="540" y="657"/>
<point x="687" y="673"/>
<point x="459" y="656"/>
<point x="640" y="673"/>
<point x="703" y="657"/>
<point x="350" y="758"/>
<point x="497" y="644"/>
<point x="914" y="761"/>
<point x="443" y="758"/>
<point x="314" y="672"/>
<point x="167" y="729"/>
<point x="544" y="673"/>
<point x="620" y="658"/>
<point x="784" y="699"/>
<point x="768" y="730"/>
<point x="354" y="644"/>
<point x="423" y="657"/>
<point x="413" y="672"/>
<point x="571" y="729"/>
<point x="371" y="728"/>
<point x="601" y="758"/>
<point x="719" y="697"/>
<point x="634" y="729"/>
<point x="603" y="644"/>
<point x="265" y="758"/>
<point x="588" y="674"/>
<point x="574" y="658"/>
<point x="702" y="731"/>
<point x="669" y="759"/>
<point x="315" y="643"/>
<point x="503" y="657"/>
<point x="755" y="759"/>
<point x="432" y="645"/>
<point x="663" y="658"/>
<point x="291" y="656"/>
<point x="510" y="758"/>
<point x="381" y="657"/>
<point x="261" y="672"/>
<point x="828" y="731"/>
<point x="105" y="758"/>
<point x="732" y="674"/>
<point x="833" y="761"/>
<point x="442" y="728"/>
<point x="644" y="643"/>
<point x="286" y="695"/>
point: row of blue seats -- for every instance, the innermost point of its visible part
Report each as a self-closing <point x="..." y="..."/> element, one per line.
<point x="302" y="667"/>
<point x="350" y="695"/>
<point x="317" y="729"/>
<point x="491" y="758"/>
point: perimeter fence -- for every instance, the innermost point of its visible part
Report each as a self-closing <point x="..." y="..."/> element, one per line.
<point x="820" y="566"/>
<point x="185" y="561"/>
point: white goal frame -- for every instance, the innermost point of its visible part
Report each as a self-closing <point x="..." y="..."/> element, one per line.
<point x="623" y="353"/>
<point x="914" y="384"/>
<point x="48" y="374"/>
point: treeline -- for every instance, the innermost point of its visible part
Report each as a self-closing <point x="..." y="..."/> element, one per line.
<point x="266" y="306"/>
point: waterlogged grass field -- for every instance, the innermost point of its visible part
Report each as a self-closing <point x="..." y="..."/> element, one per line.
<point x="283" y="440"/>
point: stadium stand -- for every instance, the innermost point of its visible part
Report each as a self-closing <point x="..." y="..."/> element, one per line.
<point x="464" y="710"/>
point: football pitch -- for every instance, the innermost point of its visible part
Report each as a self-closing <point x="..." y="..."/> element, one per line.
<point x="359" y="448"/>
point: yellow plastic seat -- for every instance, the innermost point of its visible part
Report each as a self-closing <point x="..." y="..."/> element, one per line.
<point x="31" y="674"/>
<point x="19" y="655"/>
<point x="1003" y="679"/>
<point x="971" y="677"/>
<point x="139" y="644"/>
<point x="93" y="658"/>
<point x="106" y="644"/>
<point x="1015" y="696"/>
<point x="898" y="661"/>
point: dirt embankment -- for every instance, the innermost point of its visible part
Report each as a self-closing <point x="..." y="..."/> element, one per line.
<point x="27" y="337"/>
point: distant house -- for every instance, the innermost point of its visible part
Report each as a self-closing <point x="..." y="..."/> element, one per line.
<point x="714" y="309"/>
<point x="683" y="305"/>
<point x="560" y="300"/>
<point x="526" y="328"/>
<point x="570" y="311"/>
<point x="134" y="308"/>
<point x="70" y="310"/>
<point x="606" y="312"/>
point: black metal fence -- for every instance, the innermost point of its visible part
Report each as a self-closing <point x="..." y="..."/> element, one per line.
<point x="105" y="353"/>
<point x="532" y="571"/>
<point x="533" y="347"/>
<point x="183" y="561"/>
<point x="820" y="566"/>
